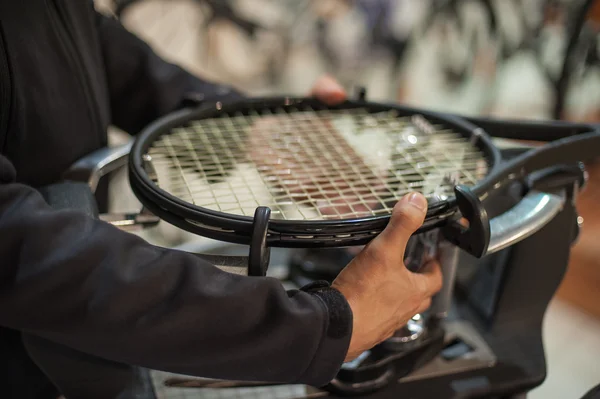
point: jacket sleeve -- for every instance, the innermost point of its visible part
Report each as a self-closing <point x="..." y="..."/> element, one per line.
<point x="143" y="86"/>
<point x="82" y="283"/>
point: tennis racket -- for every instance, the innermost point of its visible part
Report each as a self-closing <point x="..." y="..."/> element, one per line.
<point x="294" y="172"/>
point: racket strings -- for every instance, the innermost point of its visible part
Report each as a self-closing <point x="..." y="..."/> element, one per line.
<point x="308" y="164"/>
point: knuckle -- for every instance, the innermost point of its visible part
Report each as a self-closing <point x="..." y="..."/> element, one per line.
<point x="416" y="308"/>
<point x="437" y="280"/>
<point x="424" y="305"/>
<point x="439" y="284"/>
<point x="420" y="288"/>
<point x="416" y="300"/>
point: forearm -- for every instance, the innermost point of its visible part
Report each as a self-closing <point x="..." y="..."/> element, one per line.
<point x="83" y="283"/>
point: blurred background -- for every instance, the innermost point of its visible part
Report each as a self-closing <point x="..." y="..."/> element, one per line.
<point x="499" y="57"/>
<point x="532" y="59"/>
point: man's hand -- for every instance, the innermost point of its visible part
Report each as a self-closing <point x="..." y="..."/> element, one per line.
<point x="328" y="90"/>
<point x="381" y="291"/>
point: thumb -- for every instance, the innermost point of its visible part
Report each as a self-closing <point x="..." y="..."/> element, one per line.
<point x="407" y="216"/>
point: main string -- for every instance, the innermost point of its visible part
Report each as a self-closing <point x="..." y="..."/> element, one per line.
<point x="308" y="164"/>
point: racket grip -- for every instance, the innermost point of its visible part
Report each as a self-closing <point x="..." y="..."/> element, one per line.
<point x="441" y="303"/>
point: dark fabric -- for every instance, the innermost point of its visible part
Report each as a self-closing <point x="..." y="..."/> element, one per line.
<point x="75" y="72"/>
<point x="338" y="329"/>
<point x="76" y="281"/>
<point x="83" y="376"/>
<point x="137" y="78"/>
<point x="20" y="377"/>
<point x="73" y="373"/>
<point x="594" y="393"/>
<point x="108" y="293"/>
<point x="336" y="301"/>
<point x="70" y="195"/>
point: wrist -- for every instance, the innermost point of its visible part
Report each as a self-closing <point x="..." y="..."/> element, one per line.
<point x="337" y="328"/>
<point x="353" y="347"/>
<point x="339" y="309"/>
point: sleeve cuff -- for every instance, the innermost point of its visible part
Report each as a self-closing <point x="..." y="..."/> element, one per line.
<point x="336" y="334"/>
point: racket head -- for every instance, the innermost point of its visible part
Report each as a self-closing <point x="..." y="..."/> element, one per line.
<point x="344" y="230"/>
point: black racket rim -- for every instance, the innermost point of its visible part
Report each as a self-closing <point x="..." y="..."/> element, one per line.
<point x="289" y="233"/>
<point x="568" y="143"/>
<point x="531" y="130"/>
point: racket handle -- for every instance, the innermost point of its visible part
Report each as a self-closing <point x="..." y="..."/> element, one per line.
<point x="449" y="256"/>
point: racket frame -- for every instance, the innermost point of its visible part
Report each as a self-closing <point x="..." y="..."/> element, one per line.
<point x="287" y="233"/>
<point x="569" y="143"/>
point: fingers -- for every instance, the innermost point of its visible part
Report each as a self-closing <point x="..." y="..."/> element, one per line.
<point x="328" y="90"/>
<point x="429" y="278"/>
<point x="408" y="215"/>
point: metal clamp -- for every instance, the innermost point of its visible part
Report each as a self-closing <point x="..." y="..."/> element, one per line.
<point x="91" y="168"/>
<point x="131" y="221"/>
<point x="260" y="253"/>
<point x="485" y="236"/>
<point x="532" y="213"/>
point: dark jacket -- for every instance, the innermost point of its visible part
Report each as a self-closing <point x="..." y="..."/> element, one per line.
<point x="66" y="74"/>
